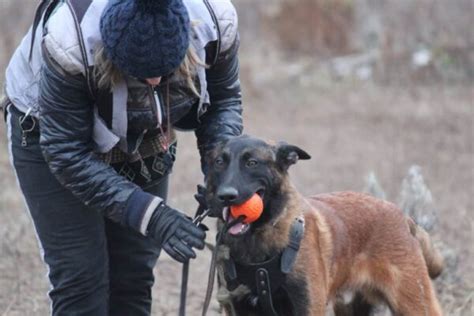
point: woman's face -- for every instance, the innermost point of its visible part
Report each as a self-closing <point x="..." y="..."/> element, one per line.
<point x="153" y="81"/>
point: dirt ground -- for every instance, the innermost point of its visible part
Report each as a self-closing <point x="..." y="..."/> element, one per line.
<point x="350" y="128"/>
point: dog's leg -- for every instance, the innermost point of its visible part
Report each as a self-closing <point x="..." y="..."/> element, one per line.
<point x="359" y="306"/>
<point x="414" y="295"/>
<point x="318" y="303"/>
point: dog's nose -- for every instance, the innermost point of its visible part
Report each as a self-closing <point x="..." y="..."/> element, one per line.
<point x="227" y="194"/>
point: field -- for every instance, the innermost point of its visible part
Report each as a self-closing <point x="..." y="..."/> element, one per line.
<point x="350" y="127"/>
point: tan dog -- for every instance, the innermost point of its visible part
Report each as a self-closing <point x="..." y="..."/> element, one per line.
<point x="352" y="242"/>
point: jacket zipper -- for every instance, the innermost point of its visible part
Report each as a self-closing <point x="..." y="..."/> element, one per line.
<point x="156" y="109"/>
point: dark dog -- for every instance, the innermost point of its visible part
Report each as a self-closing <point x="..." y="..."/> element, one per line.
<point x="352" y="242"/>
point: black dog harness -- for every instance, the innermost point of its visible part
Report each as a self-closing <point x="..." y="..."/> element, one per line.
<point x="266" y="278"/>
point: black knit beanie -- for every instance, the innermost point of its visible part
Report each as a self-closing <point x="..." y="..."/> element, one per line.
<point x="145" y="38"/>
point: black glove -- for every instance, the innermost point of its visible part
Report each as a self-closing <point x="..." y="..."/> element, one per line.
<point x="200" y="196"/>
<point x="175" y="233"/>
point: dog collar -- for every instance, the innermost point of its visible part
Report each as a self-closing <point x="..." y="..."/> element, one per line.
<point x="265" y="278"/>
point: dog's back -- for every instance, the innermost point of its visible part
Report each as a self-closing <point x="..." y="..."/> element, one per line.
<point x="376" y="249"/>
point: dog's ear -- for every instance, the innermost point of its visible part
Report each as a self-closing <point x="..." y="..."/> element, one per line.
<point x="287" y="155"/>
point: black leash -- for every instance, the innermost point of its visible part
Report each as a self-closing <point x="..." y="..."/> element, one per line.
<point x="212" y="269"/>
<point x="184" y="289"/>
<point x="201" y="214"/>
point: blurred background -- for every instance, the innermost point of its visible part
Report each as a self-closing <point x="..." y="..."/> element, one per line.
<point x="362" y="85"/>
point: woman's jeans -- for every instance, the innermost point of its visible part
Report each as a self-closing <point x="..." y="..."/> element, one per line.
<point x="96" y="267"/>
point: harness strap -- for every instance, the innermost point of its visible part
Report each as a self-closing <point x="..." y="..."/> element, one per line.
<point x="231" y="274"/>
<point x="265" y="278"/>
<point x="264" y="292"/>
<point x="288" y="257"/>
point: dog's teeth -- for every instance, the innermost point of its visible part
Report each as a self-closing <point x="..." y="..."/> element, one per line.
<point x="225" y="213"/>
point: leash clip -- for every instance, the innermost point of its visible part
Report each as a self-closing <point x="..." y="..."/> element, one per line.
<point x="25" y="130"/>
<point x="199" y="218"/>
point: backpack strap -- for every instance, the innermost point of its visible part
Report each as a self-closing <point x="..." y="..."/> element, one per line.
<point x="78" y="9"/>
<point x="44" y="6"/>
<point x="213" y="49"/>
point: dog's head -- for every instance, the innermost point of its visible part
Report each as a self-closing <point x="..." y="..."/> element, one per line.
<point x="244" y="166"/>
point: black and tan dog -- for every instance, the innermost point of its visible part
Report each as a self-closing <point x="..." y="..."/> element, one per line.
<point x="352" y="242"/>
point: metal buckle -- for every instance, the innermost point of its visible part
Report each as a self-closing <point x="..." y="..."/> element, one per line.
<point x="25" y="131"/>
<point x="198" y="219"/>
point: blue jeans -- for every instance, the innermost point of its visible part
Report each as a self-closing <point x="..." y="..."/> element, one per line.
<point x="96" y="266"/>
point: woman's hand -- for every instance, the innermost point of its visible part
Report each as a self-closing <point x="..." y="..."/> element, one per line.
<point x="175" y="233"/>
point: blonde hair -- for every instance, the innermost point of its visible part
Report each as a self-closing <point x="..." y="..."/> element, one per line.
<point x="108" y="75"/>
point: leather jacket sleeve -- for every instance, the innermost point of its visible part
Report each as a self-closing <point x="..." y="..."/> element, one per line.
<point x="223" y="118"/>
<point x="66" y="126"/>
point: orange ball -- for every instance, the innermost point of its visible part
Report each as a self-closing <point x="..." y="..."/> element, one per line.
<point x="251" y="209"/>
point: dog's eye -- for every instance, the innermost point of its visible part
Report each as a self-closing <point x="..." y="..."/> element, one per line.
<point x="251" y="163"/>
<point x="219" y="162"/>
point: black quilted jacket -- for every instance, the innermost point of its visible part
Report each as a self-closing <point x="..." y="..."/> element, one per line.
<point x="66" y="123"/>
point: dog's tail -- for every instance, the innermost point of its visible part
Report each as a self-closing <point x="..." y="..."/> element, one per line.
<point x="434" y="260"/>
<point x="416" y="202"/>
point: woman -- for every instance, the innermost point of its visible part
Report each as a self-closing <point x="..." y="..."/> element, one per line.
<point x="92" y="100"/>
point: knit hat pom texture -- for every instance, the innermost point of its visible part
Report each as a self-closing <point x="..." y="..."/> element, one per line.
<point x="145" y="38"/>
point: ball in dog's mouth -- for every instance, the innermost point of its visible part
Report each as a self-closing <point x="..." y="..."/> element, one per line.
<point x="238" y="228"/>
